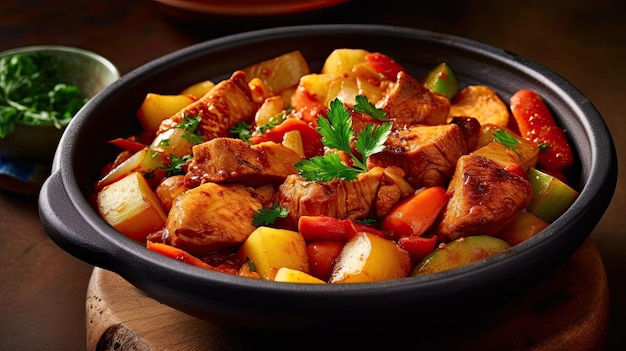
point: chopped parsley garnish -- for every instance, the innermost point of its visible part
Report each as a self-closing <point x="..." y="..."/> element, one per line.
<point x="32" y="93"/>
<point x="368" y="221"/>
<point x="190" y="123"/>
<point x="242" y="131"/>
<point x="273" y="122"/>
<point x="269" y="216"/>
<point x="193" y="138"/>
<point x="337" y="133"/>
<point x="176" y="165"/>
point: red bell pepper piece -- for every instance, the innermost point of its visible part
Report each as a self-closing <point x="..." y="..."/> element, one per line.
<point x="178" y="254"/>
<point x="536" y="124"/>
<point x="311" y="138"/>
<point x="384" y="65"/>
<point x="322" y="256"/>
<point x="127" y="144"/>
<point x="418" y="247"/>
<point x="315" y="228"/>
<point x="354" y="227"/>
<point x="307" y="105"/>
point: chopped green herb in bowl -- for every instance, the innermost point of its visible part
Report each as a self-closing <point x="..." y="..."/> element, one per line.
<point x="41" y="89"/>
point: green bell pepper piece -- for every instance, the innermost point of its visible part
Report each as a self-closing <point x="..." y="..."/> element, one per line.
<point x="551" y="196"/>
<point x="442" y="80"/>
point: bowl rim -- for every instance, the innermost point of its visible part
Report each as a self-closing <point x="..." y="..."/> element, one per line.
<point x="113" y="70"/>
<point x="428" y="285"/>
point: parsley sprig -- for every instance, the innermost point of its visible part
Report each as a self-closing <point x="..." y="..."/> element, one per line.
<point x="337" y="133"/>
<point x="267" y="216"/>
<point x="364" y="106"/>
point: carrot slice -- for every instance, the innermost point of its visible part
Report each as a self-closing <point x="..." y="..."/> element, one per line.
<point x="177" y="254"/>
<point x="536" y="124"/>
<point x="414" y="215"/>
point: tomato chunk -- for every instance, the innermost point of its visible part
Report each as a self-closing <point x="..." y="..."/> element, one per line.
<point x="384" y="65"/>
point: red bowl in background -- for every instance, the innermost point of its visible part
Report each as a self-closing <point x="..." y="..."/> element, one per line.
<point x="250" y="7"/>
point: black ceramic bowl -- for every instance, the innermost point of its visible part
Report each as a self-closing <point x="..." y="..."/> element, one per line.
<point x="75" y="226"/>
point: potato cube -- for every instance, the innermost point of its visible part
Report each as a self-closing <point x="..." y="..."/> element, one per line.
<point x="156" y="107"/>
<point x="289" y="275"/>
<point x="271" y="107"/>
<point x="270" y="249"/>
<point x="341" y="61"/>
<point x="281" y="72"/>
<point x="482" y="103"/>
<point x="316" y="85"/>
<point x="130" y="206"/>
<point x="526" y="151"/>
<point x="197" y="90"/>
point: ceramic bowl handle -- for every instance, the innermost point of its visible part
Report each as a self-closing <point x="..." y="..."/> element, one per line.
<point x="68" y="228"/>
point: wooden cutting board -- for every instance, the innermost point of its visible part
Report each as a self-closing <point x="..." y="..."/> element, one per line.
<point x="567" y="311"/>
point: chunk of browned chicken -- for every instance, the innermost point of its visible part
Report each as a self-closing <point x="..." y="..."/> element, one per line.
<point x="227" y="160"/>
<point x="484" y="198"/>
<point x="372" y="194"/>
<point x="471" y="129"/>
<point x="427" y="154"/>
<point x="168" y="189"/>
<point x="226" y="104"/>
<point x="212" y="217"/>
<point x="408" y="102"/>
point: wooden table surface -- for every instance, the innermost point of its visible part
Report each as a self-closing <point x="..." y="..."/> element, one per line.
<point x="43" y="289"/>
